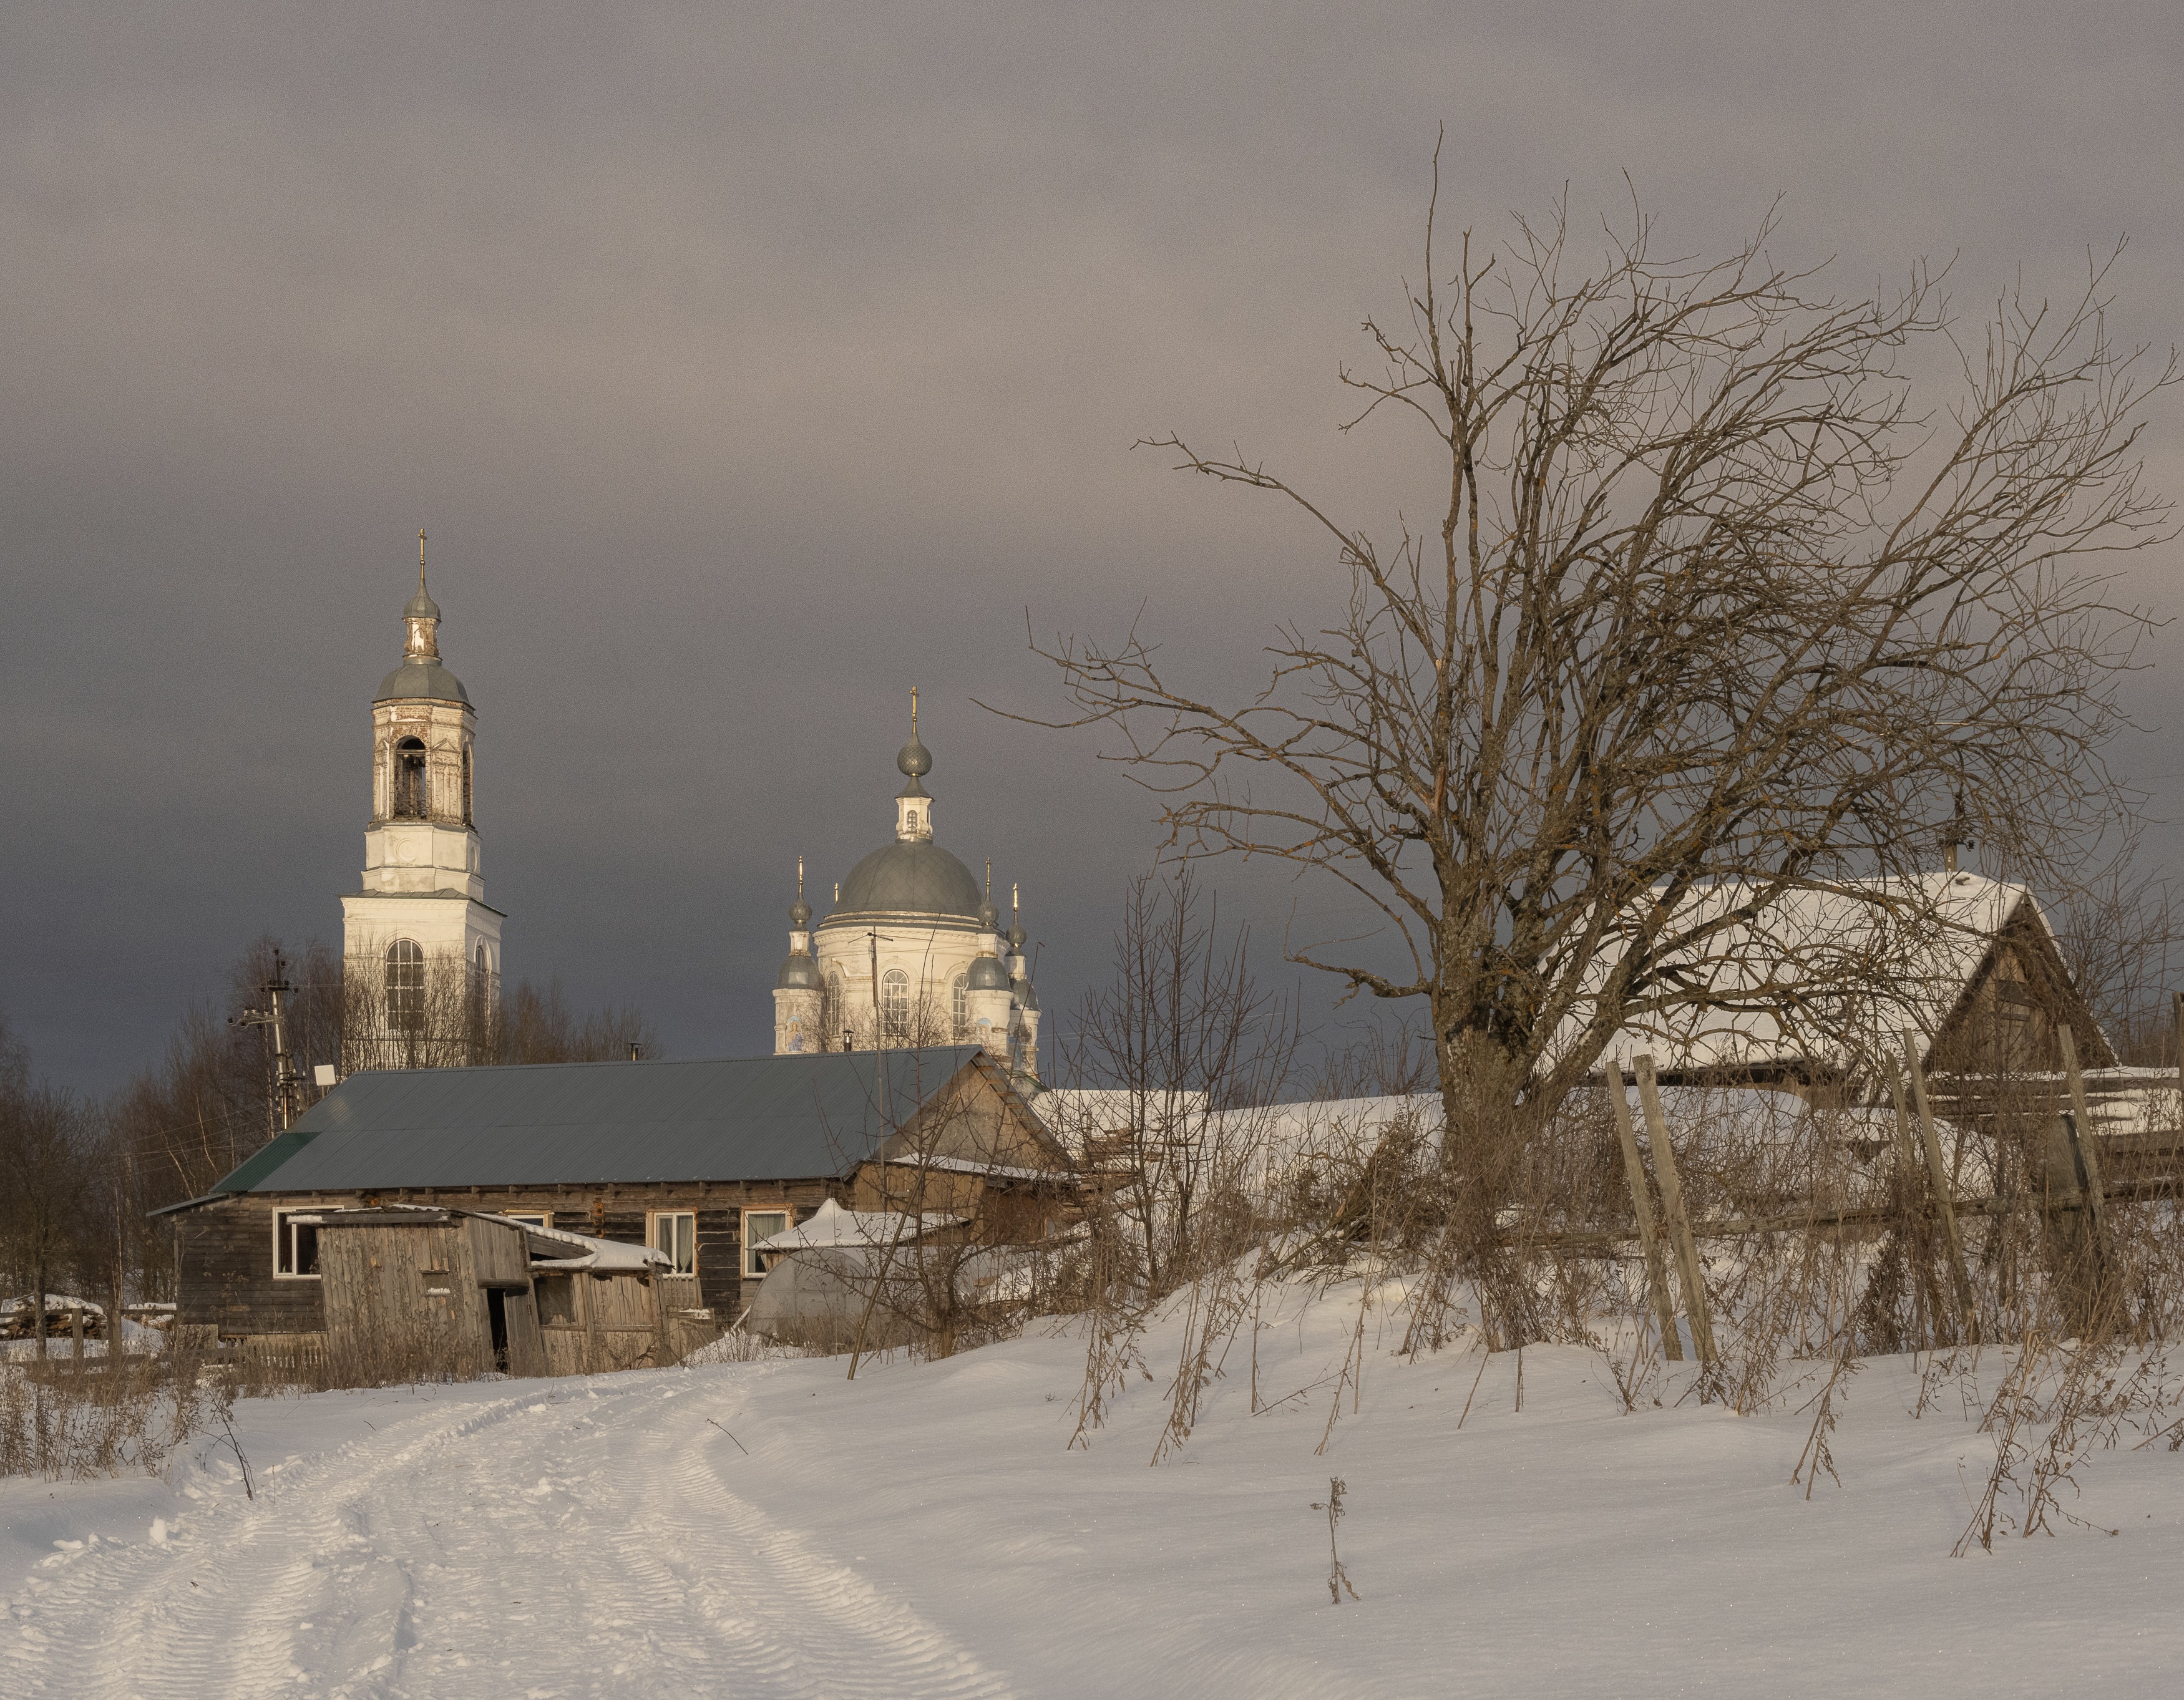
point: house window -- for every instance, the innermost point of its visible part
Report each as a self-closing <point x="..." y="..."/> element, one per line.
<point x="960" y="993"/>
<point x="295" y="1247"/>
<point x="676" y="1233"/>
<point x="530" y="1219"/>
<point x="761" y="1224"/>
<point x="894" y="1004"/>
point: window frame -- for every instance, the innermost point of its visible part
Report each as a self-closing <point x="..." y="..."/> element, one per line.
<point x="652" y="1221"/>
<point x="284" y="1224"/>
<point x="895" y="1009"/>
<point x="405" y="1002"/>
<point x="784" y="1214"/>
<point x="535" y="1219"/>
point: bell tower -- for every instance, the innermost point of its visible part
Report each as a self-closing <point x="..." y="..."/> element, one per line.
<point x="421" y="948"/>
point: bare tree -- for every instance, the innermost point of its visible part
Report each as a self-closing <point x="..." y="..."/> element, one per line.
<point x="1184" y="1052"/>
<point x="1714" y="609"/>
<point x="2121" y="938"/>
<point x="44" y="1139"/>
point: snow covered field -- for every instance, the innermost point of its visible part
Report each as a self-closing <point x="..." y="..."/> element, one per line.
<point x="923" y="1530"/>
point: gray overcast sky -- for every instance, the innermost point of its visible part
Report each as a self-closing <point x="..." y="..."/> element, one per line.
<point x="748" y="365"/>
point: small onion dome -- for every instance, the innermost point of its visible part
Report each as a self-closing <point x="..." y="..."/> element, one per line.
<point x="1017" y="938"/>
<point x="987" y="975"/>
<point x="990" y="917"/>
<point x="798" y="973"/>
<point x="914" y="759"/>
<point x="420" y="606"/>
<point x="799" y="914"/>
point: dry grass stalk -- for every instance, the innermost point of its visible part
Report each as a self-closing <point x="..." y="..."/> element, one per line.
<point x="1338" y="1578"/>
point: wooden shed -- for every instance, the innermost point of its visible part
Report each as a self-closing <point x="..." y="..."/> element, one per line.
<point x="461" y="1292"/>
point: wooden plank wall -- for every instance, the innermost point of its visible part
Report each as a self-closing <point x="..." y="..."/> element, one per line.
<point x="224" y="1264"/>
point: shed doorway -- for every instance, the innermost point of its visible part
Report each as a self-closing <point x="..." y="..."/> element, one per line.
<point x="496" y="1310"/>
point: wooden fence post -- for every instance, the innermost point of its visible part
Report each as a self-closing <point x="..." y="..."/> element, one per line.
<point x="1908" y="1165"/>
<point x="1672" y="1206"/>
<point x="1938" y="1175"/>
<point x="2179" y="997"/>
<point x="2084" y="1151"/>
<point x="1657" y="1275"/>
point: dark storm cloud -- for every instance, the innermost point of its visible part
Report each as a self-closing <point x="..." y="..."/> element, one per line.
<point x="748" y="366"/>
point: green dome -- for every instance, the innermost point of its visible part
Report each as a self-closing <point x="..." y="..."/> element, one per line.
<point x="912" y="877"/>
<point x="987" y="975"/>
<point x="421" y="678"/>
<point x="799" y="972"/>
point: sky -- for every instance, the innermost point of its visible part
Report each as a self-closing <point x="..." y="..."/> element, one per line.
<point x="747" y="366"/>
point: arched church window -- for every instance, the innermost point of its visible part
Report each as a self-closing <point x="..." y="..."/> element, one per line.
<point x="467" y="798"/>
<point x="405" y="986"/>
<point x="895" y="1004"/>
<point x="409" y="778"/>
<point x="959" y="992"/>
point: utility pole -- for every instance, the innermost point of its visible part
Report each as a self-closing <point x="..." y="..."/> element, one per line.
<point x="287" y="1085"/>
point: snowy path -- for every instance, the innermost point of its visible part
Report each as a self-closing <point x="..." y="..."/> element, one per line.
<point x="926" y="1530"/>
<point x="574" y="1542"/>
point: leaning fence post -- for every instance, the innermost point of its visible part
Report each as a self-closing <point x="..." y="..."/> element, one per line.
<point x="1657" y="1275"/>
<point x="1944" y="1204"/>
<point x="2087" y="1150"/>
<point x="1907" y="1163"/>
<point x="1672" y="1206"/>
<point x="2179" y="997"/>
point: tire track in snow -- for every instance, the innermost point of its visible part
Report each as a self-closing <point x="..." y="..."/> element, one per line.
<point x="218" y="1610"/>
<point x="681" y="1581"/>
<point x="575" y="1541"/>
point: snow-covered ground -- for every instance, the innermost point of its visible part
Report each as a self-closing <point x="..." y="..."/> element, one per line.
<point x="771" y="1529"/>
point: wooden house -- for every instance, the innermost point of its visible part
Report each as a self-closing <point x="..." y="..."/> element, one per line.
<point x="699" y="1161"/>
<point x="1808" y="991"/>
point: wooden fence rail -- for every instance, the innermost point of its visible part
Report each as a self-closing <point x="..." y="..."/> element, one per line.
<point x="2084" y="1175"/>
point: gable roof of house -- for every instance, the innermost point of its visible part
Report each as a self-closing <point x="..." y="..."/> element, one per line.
<point x="752" y="1118"/>
<point x="1876" y="958"/>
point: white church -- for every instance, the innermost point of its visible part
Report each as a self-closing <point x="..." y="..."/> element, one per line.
<point x="911" y="952"/>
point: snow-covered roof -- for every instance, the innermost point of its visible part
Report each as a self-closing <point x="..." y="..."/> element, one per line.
<point x="556" y="1249"/>
<point x="1876" y="957"/>
<point x="832" y="1225"/>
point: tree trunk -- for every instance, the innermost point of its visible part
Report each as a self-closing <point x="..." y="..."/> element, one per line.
<point x="1482" y="1163"/>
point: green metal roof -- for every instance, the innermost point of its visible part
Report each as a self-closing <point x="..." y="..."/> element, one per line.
<point x="753" y="1118"/>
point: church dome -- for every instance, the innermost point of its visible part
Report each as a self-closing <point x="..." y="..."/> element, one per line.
<point x="987" y="975"/>
<point x="421" y="605"/>
<point x="799" y="972"/>
<point x="909" y="877"/>
<point x="415" y="678"/>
